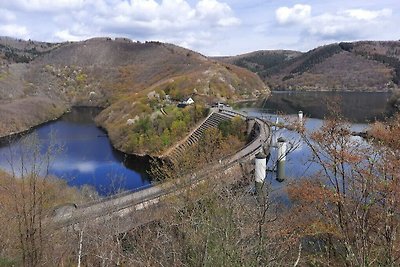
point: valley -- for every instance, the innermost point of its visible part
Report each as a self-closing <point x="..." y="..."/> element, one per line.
<point x="131" y="81"/>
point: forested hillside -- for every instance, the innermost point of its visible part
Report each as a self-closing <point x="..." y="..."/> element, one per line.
<point x="358" y="66"/>
<point x="133" y="81"/>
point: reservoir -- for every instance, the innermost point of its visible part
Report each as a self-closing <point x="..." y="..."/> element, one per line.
<point x="357" y="108"/>
<point x="86" y="157"/>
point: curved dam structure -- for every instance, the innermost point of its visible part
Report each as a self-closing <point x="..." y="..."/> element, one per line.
<point x="134" y="208"/>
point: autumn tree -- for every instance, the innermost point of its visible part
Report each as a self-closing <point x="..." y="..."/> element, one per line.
<point x="351" y="204"/>
<point x="28" y="196"/>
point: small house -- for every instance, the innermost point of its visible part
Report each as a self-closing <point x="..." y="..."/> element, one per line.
<point x="188" y="101"/>
<point x="185" y="102"/>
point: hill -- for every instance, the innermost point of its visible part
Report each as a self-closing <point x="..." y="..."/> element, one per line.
<point x="357" y="66"/>
<point x="131" y="80"/>
<point x="262" y="62"/>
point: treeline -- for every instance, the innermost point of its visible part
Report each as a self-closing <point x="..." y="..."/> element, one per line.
<point x="315" y="57"/>
<point x="15" y="55"/>
<point x="261" y="62"/>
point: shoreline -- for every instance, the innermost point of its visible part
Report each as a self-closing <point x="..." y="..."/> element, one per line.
<point x="12" y="135"/>
<point x="6" y="139"/>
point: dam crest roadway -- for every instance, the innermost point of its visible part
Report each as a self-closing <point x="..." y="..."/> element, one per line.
<point x="134" y="208"/>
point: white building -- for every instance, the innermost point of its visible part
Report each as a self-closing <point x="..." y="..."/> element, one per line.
<point x="188" y="101"/>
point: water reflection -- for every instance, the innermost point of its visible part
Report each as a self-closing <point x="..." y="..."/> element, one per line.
<point x="87" y="155"/>
<point x="299" y="163"/>
<point x="355" y="106"/>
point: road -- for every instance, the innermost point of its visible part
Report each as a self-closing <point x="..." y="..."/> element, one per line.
<point x="122" y="205"/>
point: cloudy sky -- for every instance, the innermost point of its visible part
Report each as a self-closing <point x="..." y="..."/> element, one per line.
<point x="212" y="27"/>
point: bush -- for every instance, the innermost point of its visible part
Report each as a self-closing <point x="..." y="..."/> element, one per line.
<point x="154" y="134"/>
<point x="235" y="127"/>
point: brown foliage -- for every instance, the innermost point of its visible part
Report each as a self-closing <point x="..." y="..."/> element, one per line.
<point x="355" y="197"/>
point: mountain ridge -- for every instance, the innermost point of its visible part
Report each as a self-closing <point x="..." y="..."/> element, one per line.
<point x="40" y="81"/>
<point x="345" y="66"/>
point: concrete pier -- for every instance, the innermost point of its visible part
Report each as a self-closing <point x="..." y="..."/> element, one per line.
<point x="281" y="161"/>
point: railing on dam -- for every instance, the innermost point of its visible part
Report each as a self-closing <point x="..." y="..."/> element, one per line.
<point x="138" y="198"/>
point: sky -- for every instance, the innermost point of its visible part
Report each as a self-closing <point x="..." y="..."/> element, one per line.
<point x="211" y="27"/>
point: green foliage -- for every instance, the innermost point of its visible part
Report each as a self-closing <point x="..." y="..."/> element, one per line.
<point x="154" y="134"/>
<point x="7" y="262"/>
<point x="4" y="75"/>
<point x="235" y="127"/>
<point x="166" y="137"/>
<point x="178" y="128"/>
<point x="142" y="108"/>
<point x="81" y="77"/>
<point x="143" y="125"/>
<point x="178" y="88"/>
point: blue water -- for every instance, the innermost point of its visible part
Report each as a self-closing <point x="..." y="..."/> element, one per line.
<point x="299" y="163"/>
<point x="357" y="107"/>
<point x="86" y="157"/>
<point x="299" y="158"/>
<point x="360" y="109"/>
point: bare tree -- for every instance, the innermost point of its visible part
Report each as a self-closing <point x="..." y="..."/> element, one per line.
<point x="353" y="199"/>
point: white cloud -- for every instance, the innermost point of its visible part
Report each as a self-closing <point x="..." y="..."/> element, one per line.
<point x="150" y="19"/>
<point x="65" y="35"/>
<point x="345" y="24"/>
<point x="362" y="14"/>
<point x="167" y="15"/>
<point x="85" y="167"/>
<point x="209" y="26"/>
<point x="47" y="5"/>
<point x="162" y="20"/>
<point x="190" y="39"/>
<point x="295" y="14"/>
<point x="226" y="22"/>
<point x="217" y="12"/>
<point x="6" y="15"/>
<point x="14" y="30"/>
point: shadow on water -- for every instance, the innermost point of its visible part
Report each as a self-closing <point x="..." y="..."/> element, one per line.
<point x="355" y="106"/>
<point x="88" y="157"/>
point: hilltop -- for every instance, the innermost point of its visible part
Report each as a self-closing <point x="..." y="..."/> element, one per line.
<point x="261" y="62"/>
<point x="356" y="66"/>
<point x="130" y="80"/>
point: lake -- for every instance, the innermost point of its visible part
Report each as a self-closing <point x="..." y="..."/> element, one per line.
<point x="354" y="106"/>
<point x="359" y="108"/>
<point x="87" y="156"/>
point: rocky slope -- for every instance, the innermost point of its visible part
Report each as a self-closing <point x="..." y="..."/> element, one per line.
<point x="358" y="66"/>
<point x="127" y="78"/>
